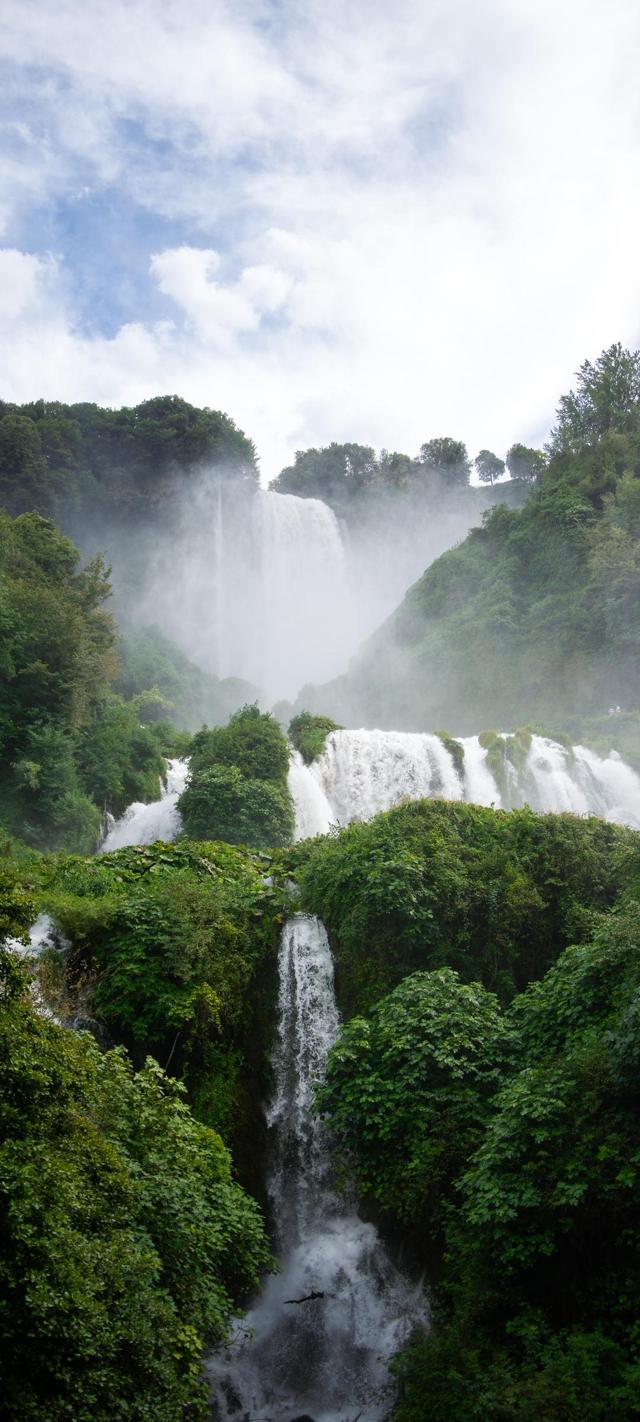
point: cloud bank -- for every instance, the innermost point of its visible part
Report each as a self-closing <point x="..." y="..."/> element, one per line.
<point x="335" y="221"/>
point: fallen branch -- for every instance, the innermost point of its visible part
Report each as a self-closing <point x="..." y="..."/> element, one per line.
<point x="307" y="1297"/>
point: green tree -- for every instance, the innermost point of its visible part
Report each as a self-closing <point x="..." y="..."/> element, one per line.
<point x="488" y="466"/>
<point x="125" y="1241"/>
<point x="447" y="457"/>
<point x="222" y="803"/>
<point x="252" y="740"/>
<point x="607" y="397"/>
<point x="524" y="463"/>
<point x="407" y="1091"/>
<point x="334" y="473"/>
<point x="24" y="482"/>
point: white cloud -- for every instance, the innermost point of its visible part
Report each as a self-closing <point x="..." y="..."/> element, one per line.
<point x="405" y="220"/>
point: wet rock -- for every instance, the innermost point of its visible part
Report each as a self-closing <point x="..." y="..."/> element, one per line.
<point x="97" y="1029"/>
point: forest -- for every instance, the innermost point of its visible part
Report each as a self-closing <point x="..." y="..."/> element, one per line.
<point x="479" y="1093"/>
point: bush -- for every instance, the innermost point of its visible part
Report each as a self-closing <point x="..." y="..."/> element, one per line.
<point x="252" y="741"/>
<point x="167" y="942"/>
<point x="221" y="803"/>
<point x="237" y="789"/>
<point x="125" y="1242"/>
<point x="494" y="895"/>
<point x="309" y="733"/>
<point x="407" y="1091"/>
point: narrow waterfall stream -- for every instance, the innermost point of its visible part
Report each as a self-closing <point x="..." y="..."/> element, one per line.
<point x="315" y="1345"/>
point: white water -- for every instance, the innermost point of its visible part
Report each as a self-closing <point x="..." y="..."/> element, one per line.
<point x="363" y="772"/>
<point x="42" y="934"/>
<point x="144" y="824"/>
<point x="325" y="1358"/>
<point x="258" y="588"/>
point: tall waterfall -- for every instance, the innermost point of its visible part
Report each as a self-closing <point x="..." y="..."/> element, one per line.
<point x="143" y="824"/>
<point x="257" y="587"/>
<point x="363" y="772"/>
<point x="322" y="1332"/>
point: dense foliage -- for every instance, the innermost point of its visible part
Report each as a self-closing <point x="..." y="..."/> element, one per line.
<point x="407" y="1090"/>
<point x="494" y="895"/>
<point x="308" y="734"/>
<point x="70" y="748"/>
<point x="352" y="477"/>
<point x="535" y="615"/>
<point x="237" y="789"/>
<point x="172" y="948"/>
<point x="538" y="1313"/>
<point x="75" y="461"/>
<point x="125" y="1241"/>
<point x="506" y="1136"/>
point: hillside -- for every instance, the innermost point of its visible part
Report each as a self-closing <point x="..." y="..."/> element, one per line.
<point x="534" y="617"/>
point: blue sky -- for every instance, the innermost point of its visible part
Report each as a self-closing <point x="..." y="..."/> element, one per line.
<point x="335" y="221"/>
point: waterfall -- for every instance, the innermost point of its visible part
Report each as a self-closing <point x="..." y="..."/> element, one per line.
<point x="317" y="1341"/>
<point x="304" y="616"/>
<point x="313" y="813"/>
<point x="253" y="584"/>
<point x="43" y="934"/>
<point x="144" y="824"/>
<point x="363" y="772"/>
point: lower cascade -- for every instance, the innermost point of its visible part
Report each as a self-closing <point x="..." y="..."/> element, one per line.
<point x="363" y="772"/>
<point x="316" y="1344"/>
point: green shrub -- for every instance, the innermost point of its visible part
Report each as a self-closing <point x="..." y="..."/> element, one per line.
<point x="407" y="1091"/>
<point x="125" y="1242"/>
<point x="494" y="895"/>
<point x="308" y="733"/>
<point x="237" y="789"/>
<point x="221" y="803"/>
<point x="174" y="946"/>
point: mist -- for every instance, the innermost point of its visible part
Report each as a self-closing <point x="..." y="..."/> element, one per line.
<point x="274" y="589"/>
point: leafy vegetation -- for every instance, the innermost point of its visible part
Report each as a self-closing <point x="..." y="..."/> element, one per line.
<point x="75" y="462"/>
<point x="537" y="1315"/>
<point x="431" y="884"/>
<point x="237" y="788"/>
<point x="172" y="948"/>
<point x="308" y="733"/>
<point x="535" y="615"/>
<point x="126" y="1243"/>
<point x="70" y="747"/>
<point x="407" y="1091"/>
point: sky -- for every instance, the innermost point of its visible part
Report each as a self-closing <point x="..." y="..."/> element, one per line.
<point x="350" y="220"/>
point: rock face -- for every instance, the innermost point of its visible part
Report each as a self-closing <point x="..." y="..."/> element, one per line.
<point x="97" y="1029"/>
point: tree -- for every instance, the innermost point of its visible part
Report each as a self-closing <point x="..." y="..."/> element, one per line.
<point x="407" y="1090"/>
<point x="524" y="463"/>
<point x="488" y="466"/>
<point x="125" y="1239"/>
<point x="334" y="473"/>
<point x="607" y="397"/>
<point x="253" y="741"/>
<point x="23" y="468"/>
<point x="447" y="457"/>
<point x="222" y="803"/>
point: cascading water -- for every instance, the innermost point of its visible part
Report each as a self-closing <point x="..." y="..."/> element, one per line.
<point x="43" y="935"/>
<point x="143" y="824"/>
<point x="258" y="588"/>
<point x="363" y="772"/>
<point x="317" y="1342"/>
<point x="304" y="617"/>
